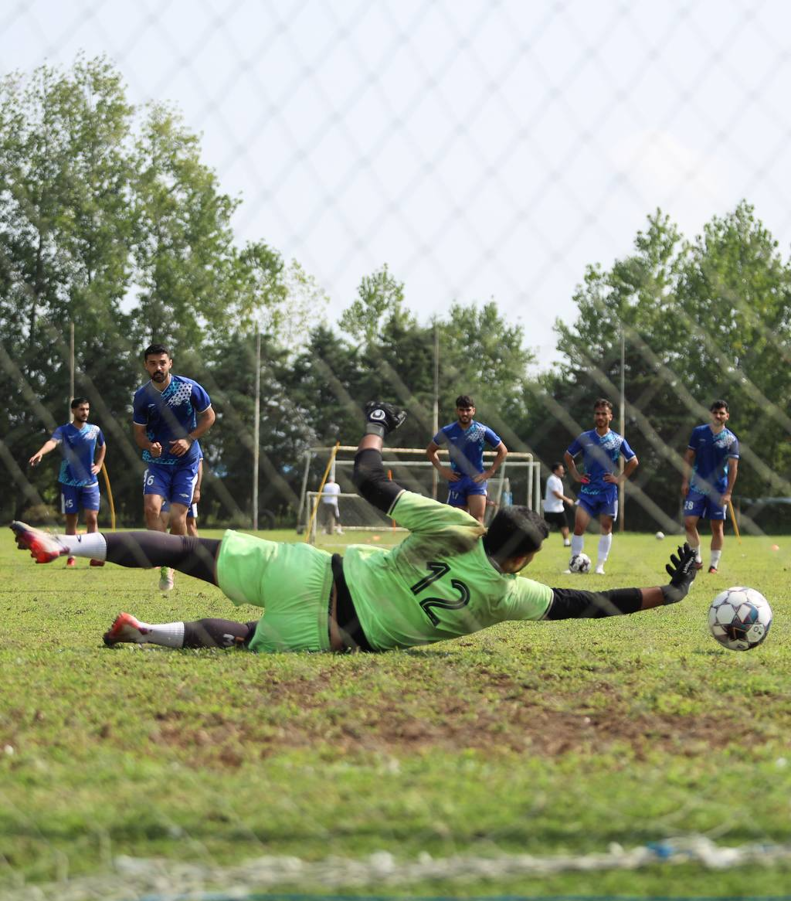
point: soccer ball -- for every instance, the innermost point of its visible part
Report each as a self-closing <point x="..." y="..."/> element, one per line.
<point x="740" y="618"/>
<point x="659" y="536"/>
<point x="580" y="563"/>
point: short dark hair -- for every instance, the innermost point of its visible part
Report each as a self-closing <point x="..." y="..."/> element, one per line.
<point x="719" y="405"/>
<point x="603" y="402"/>
<point x="514" y="532"/>
<point x="556" y="466"/>
<point x="464" y="400"/>
<point x="79" y="401"/>
<point x="154" y="350"/>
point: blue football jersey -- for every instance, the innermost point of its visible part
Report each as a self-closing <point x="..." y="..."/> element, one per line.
<point x="169" y="415"/>
<point x="78" y="448"/>
<point x="600" y="456"/>
<point x="712" y="452"/>
<point x="466" y="446"/>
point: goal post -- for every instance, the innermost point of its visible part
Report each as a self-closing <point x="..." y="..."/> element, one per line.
<point x="517" y="481"/>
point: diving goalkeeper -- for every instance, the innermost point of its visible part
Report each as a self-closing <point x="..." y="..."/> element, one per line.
<point x="450" y="577"/>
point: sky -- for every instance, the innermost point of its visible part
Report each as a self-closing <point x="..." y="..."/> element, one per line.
<point x="483" y="150"/>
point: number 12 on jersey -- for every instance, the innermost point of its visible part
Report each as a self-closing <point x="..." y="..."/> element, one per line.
<point x="437" y="571"/>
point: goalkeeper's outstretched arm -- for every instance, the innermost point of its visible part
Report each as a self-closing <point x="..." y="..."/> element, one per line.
<point x="370" y="477"/>
<point x="568" y="603"/>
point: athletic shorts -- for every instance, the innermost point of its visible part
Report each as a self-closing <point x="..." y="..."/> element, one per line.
<point x="175" y="483"/>
<point x="291" y="581"/>
<point x="192" y="510"/>
<point x="703" y="506"/>
<point x="558" y="518"/>
<point x="465" y="487"/>
<point x="596" y="505"/>
<point x="74" y="498"/>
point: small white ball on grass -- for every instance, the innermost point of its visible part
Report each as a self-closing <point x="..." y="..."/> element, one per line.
<point x="660" y="536"/>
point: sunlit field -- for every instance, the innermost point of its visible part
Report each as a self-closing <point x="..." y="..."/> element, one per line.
<point x="553" y="740"/>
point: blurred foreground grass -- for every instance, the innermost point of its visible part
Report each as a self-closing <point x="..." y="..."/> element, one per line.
<point x="529" y="738"/>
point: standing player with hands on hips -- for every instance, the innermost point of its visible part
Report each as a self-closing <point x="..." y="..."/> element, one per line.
<point x="598" y="497"/>
<point x="171" y="413"/>
<point x="79" y="443"/>
<point x="465" y="440"/>
<point x="712" y="458"/>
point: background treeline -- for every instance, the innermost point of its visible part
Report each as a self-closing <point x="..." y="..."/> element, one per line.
<point x="110" y="221"/>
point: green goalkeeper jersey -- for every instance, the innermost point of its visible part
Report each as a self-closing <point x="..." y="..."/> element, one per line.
<point x="438" y="583"/>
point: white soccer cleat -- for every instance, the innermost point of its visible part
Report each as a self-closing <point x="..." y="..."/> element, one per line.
<point x="125" y="629"/>
<point x="166" y="578"/>
<point x="43" y="547"/>
<point x="599" y="571"/>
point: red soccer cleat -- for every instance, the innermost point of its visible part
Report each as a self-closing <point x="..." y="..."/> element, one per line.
<point x="97" y="562"/>
<point x="43" y="547"/>
<point x="125" y="629"/>
<point x="71" y="562"/>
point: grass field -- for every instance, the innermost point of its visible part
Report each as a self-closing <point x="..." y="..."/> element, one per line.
<point x="542" y="739"/>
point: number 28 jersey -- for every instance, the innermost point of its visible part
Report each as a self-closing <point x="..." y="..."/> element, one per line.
<point x="438" y="583"/>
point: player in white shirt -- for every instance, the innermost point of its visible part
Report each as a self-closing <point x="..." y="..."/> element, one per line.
<point x="329" y="507"/>
<point x="555" y="501"/>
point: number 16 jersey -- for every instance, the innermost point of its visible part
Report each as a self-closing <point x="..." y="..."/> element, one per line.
<point x="438" y="583"/>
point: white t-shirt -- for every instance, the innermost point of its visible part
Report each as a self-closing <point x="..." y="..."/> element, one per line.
<point x="553" y="504"/>
<point x="330" y="493"/>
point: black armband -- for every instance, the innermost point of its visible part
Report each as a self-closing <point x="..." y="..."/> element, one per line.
<point x="371" y="480"/>
<point x="567" y="603"/>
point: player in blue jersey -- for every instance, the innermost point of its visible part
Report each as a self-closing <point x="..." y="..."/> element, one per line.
<point x="712" y="459"/>
<point x="79" y="487"/>
<point x="598" y="497"/>
<point x="171" y="413"/>
<point x="465" y="440"/>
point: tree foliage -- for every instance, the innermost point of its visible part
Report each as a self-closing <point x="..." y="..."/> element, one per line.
<point x="111" y="222"/>
<point x="700" y="320"/>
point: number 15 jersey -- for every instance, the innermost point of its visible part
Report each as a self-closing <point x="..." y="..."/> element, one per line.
<point x="438" y="583"/>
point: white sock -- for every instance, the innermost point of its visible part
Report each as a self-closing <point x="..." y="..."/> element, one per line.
<point x="566" y="542"/>
<point x="605" y="543"/>
<point x="696" y="549"/>
<point x="715" y="558"/>
<point x="169" y="635"/>
<point x="92" y="545"/>
<point x="577" y="544"/>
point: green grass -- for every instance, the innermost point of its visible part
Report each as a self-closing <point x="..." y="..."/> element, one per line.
<point x="530" y="738"/>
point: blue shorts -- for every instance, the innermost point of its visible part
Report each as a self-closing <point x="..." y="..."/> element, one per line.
<point x="173" y="483"/>
<point x="74" y="498"/>
<point x="703" y="506"/>
<point x="192" y="510"/>
<point x="465" y="487"/>
<point x="596" y="505"/>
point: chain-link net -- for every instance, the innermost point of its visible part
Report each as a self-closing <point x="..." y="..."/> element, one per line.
<point x="312" y="204"/>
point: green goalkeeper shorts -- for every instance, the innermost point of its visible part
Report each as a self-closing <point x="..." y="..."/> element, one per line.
<point x="292" y="582"/>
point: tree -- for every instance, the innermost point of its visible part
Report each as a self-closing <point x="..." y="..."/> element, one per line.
<point x="187" y="271"/>
<point x="699" y="320"/>
<point x="380" y="298"/>
<point x="64" y="236"/>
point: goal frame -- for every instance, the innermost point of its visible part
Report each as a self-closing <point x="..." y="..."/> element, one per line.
<point x="341" y="457"/>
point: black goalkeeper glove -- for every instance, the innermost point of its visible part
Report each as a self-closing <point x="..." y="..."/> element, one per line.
<point x="382" y="418"/>
<point x="682" y="572"/>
